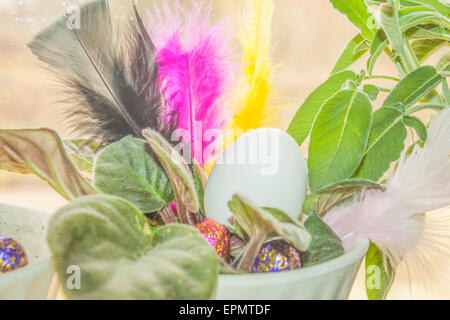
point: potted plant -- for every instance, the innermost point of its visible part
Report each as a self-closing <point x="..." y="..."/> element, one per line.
<point x="148" y="182"/>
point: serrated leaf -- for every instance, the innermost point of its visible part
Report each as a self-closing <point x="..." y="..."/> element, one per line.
<point x="413" y="87"/>
<point x="180" y="176"/>
<point x="303" y="121"/>
<point x="354" y="50"/>
<point x="358" y="13"/>
<point x="386" y="142"/>
<point x="380" y="274"/>
<point x="126" y="170"/>
<point x="321" y="202"/>
<point x="417" y="125"/>
<point x="41" y="152"/>
<point x="339" y="139"/>
<point x="109" y="240"/>
<point x="325" y="244"/>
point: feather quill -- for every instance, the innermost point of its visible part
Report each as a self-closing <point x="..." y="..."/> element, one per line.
<point x="115" y="89"/>
<point x="396" y="219"/>
<point x="195" y="60"/>
<point x="255" y="107"/>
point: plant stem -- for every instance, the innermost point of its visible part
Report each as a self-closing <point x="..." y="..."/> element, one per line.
<point x="382" y="76"/>
<point x="420" y="107"/>
<point x="167" y="215"/>
<point x="251" y="252"/>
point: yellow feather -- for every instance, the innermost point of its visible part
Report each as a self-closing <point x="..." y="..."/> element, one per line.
<point x="253" y="109"/>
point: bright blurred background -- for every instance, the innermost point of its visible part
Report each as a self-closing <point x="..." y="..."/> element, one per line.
<point x="308" y="37"/>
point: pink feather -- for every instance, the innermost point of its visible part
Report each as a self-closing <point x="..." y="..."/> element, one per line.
<point x="195" y="60"/>
<point x="395" y="219"/>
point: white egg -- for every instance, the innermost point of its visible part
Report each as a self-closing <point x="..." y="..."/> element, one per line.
<point x="266" y="166"/>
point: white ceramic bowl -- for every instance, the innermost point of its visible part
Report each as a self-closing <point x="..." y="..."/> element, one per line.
<point x="332" y="280"/>
<point x="29" y="227"/>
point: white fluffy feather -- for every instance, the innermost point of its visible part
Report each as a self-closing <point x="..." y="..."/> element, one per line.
<point x="395" y="219"/>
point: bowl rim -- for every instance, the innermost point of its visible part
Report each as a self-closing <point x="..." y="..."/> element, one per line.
<point x="353" y="256"/>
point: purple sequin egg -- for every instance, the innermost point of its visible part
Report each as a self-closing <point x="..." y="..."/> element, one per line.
<point x="12" y="255"/>
<point x="277" y="256"/>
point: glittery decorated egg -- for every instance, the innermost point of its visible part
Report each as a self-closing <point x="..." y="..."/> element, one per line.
<point x="12" y="255"/>
<point x="217" y="236"/>
<point x="277" y="256"/>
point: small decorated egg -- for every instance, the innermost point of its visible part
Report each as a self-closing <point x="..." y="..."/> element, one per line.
<point x="217" y="236"/>
<point x="277" y="256"/>
<point x="266" y="166"/>
<point x="12" y="255"/>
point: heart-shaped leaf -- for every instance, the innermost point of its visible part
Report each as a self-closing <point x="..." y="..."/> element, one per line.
<point x="325" y="244"/>
<point x="339" y="138"/>
<point x="125" y="169"/>
<point x="41" y="152"/>
<point x="303" y="121"/>
<point x="183" y="182"/>
<point x="109" y="242"/>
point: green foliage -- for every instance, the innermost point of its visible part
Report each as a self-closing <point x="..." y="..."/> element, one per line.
<point x="355" y="49"/>
<point x="325" y="244"/>
<point x="259" y="224"/>
<point x="339" y="138"/>
<point x="41" y="152"/>
<point x="182" y="180"/>
<point x="119" y="257"/>
<point x="379" y="274"/>
<point x="125" y="169"/>
<point x="303" y="121"/>
<point x="413" y="87"/>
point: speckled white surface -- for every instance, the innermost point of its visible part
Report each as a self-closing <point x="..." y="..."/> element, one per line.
<point x="29" y="227"/>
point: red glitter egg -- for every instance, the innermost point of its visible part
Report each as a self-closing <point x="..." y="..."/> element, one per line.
<point x="217" y="236"/>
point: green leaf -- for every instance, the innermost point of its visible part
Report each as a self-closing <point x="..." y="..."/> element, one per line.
<point x="438" y="5"/>
<point x="82" y="153"/>
<point x="358" y="13"/>
<point x="339" y="139"/>
<point x="110" y="241"/>
<point x="355" y="49"/>
<point x="424" y="48"/>
<point x="41" y="152"/>
<point x="378" y="45"/>
<point x="126" y="170"/>
<point x="325" y="244"/>
<point x="446" y="91"/>
<point x="414" y="16"/>
<point x="429" y="31"/>
<point x="390" y="21"/>
<point x="417" y="125"/>
<point x="414" y="87"/>
<point x="443" y="66"/>
<point x="181" y="177"/>
<point x="260" y="224"/>
<point x="269" y="221"/>
<point x="303" y="121"/>
<point x="321" y="202"/>
<point x="379" y="274"/>
<point x="371" y="91"/>
<point x="385" y="145"/>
